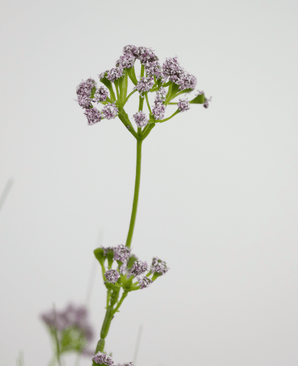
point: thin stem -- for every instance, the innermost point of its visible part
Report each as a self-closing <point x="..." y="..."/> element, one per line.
<point x="120" y="302"/>
<point x="136" y="194"/>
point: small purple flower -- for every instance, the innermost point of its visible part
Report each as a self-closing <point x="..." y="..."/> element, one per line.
<point x="187" y="81"/>
<point x="154" y="69"/>
<point x="101" y="94"/>
<point x="126" y="61"/>
<point x="100" y="358"/>
<point x="138" y="268"/>
<point x="84" y="101"/>
<point x="144" y="281"/>
<point x="115" y="74"/>
<point x="172" y="69"/>
<point x="121" y="253"/>
<point x="85" y="87"/>
<point x="110" y="111"/>
<point x="130" y="50"/>
<point x="146" y="55"/>
<point x="159" y="110"/>
<point x="206" y="103"/>
<point x="144" y="85"/>
<point x="112" y="275"/>
<point x="183" y="105"/>
<point x="158" y="266"/>
<point x="93" y="115"/>
<point x="75" y="317"/>
<point x="103" y="74"/>
<point x="160" y="95"/>
<point x="140" y="119"/>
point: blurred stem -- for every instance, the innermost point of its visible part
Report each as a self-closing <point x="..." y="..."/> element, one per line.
<point x="136" y="194"/>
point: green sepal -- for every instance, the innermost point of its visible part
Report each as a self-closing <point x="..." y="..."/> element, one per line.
<point x="199" y="99"/>
<point x="99" y="255"/>
<point x="110" y="257"/>
<point x="131" y="261"/>
<point x="123" y="84"/>
<point x="127" y="285"/>
<point x="132" y="75"/>
<point x="93" y="90"/>
<point x="155" y="276"/>
<point x="109" y="85"/>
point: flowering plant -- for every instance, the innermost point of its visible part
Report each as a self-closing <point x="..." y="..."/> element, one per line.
<point x="166" y="82"/>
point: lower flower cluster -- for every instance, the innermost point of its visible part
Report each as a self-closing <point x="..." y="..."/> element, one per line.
<point x="102" y="359"/>
<point x="129" y="268"/>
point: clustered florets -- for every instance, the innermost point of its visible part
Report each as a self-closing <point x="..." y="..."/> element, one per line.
<point x="72" y="317"/>
<point x="144" y="85"/>
<point x="156" y="75"/>
<point x="93" y="115"/>
<point x="121" y="253"/>
<point x="140" y="119"/>
<point x="101" y="94"/>
<point x="158" y="110"/>
<point x="183" y="105"/>
<point x="102" y="358"/>
<point x="137" y="268"/>
<point x="110" y="111"/>
<point x="112" y="275"/>
<point x="158" y="266"/>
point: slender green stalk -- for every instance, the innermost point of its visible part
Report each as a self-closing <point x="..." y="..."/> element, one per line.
<point x="136" y="194"/>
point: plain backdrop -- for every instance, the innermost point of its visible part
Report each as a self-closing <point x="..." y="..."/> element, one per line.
<point x="218" y="198"/>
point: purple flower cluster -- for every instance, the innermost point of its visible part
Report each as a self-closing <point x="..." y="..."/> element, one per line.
<point x="138" y="268"/>
<point x="72" y="316"/>
<point x="110" y="111"/>
<point x="115" y="74"/>
<point x="140" y="119"/>
<point x="101" y="94"/>
<point x="102" y="358"/>
<point x="93" y="115"/>
<point x="183" y="105"/>
<point x="158" y="266"/>
<point x="121" y="253"/>
<point x="144" y="282"/>
<point x="85" y="90"/>
<point x="144" y="85"/>
<point x="158" y="110"/>
<point x="172" y="70"/>
<point x="112" y="275"/>
<point x="126" y="61"/>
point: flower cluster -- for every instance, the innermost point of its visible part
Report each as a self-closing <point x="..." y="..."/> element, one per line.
<point x="168" y="81"/>
<point x="71" y="327"/>
<point x="129" y="267"/>
<point x="172" y="70"/>
<point x="183" y="105"/>
<point x="144" y="85"/>
<point x="140" y="119"/>
<point x="102" y="358"/>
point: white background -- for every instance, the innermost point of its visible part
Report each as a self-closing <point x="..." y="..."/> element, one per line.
<point x="218" y="197"/>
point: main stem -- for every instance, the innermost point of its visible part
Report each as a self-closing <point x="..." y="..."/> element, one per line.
<point x="136" y="194"/>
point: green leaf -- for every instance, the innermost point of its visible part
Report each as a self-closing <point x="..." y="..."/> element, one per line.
<point x="132" y="75"/>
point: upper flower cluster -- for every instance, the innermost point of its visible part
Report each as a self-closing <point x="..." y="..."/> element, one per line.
<point x="102" y="359"/>
<point x="129" y="268"/>
<point x="168" y="81"/>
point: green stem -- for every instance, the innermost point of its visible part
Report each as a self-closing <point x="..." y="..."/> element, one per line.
<point x="136" y="194"/>
<point x="120" y="302"/>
